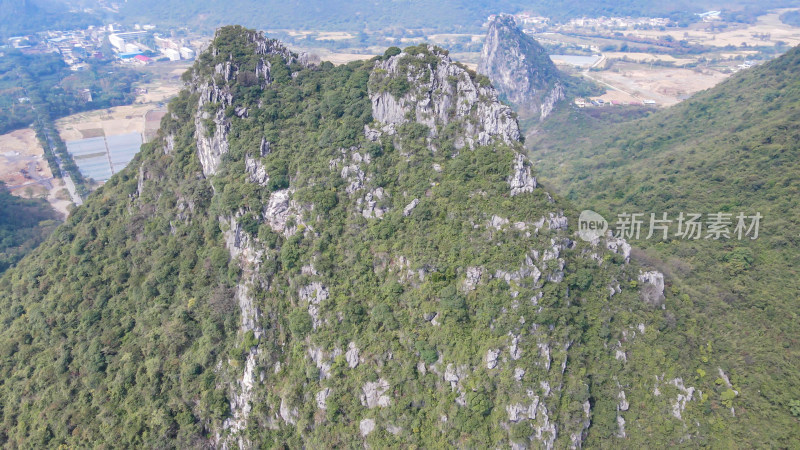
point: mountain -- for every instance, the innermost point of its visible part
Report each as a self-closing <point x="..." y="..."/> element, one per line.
<point x="730" y="149"/>
<point x="311" y="255"/>
<point x="520" y="68"/>
<point x="21" y="17"/>
<point x="393" y="17"/>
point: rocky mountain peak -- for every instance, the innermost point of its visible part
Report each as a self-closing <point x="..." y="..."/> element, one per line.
<point x="423" y="84"/>
<point x="520" y="68"/>
<point x="236" y="57"/>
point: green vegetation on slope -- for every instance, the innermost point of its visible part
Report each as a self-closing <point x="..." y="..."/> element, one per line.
<point x="24" y="224"/>
<point x="731" y="149"/>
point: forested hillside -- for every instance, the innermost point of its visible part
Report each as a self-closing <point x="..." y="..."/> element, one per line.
<point x="730" y="149"/>
<point x="24" y="224"/>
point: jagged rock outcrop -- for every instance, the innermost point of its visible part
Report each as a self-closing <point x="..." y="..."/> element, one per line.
<point x="440" y="92"/>
<point x="374" y="394"/>
<point x="521" y="180"/>
<point x="652" y="289"/>
<point x="212" y="124"/>
<point x="282" y="213"/>
<point x="366" y="426"/>
<point x="520" y="68"/>
<point x="243" y="249"/>
<point x="352" y="355"/>
<point x="256" y="171"/>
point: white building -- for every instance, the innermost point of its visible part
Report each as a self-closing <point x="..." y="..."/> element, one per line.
<point x="172" y="54"/>
<point x="117" y="42"/>
<point x="187" y="53"/>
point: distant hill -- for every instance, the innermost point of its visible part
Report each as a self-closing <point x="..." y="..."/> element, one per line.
<point x="520" y="68"/>
<point x="446" y="15"/>
<point x="19" y="17"/>
<point x="733" y="148"/>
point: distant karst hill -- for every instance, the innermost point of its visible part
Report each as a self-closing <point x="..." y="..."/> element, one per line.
<point x="22" y="17"/>
<point x="520" y="68"/>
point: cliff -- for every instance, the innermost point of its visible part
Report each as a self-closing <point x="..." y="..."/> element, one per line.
<point x="520" y="68"/>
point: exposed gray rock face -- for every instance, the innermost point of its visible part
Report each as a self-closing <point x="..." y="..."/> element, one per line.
<point x="211" y="145"/>
<point x="373" y="394"/>
<point x="473" y="278"/>
<point x="491" y="358"/>
<point x="520" y="68"/>
<point x="352" y="164"/>
<point x="685" y="395"/>
<point x="256" y="172"/>
<point x="314" y="292"/>
<point x="410" y="207"/>
<point x="518" y="411"/>
<point x="264" y="148"/>
<point x="652" y="289"/>
<point x="557" y="221"/>
<point x="169" y="145"/>
<point x="619" y="246"/>
<point x="313" y="295"/>
<point x="280" y="209"/>
<point x="323" y="361"/>
<point x="497" y="222"/>
<point x="288" y="414"/>
<point x="352" y="355"/>
<point x="441" y="94"/>
<point x="527" y="269"/>
<point x="515" y="349"/>
<point x="521" y="180"/>
<point x="623" y="402"/>
<point x="322" y="397"/>
<point x="454" y="374"/>
<point x="576" y="439"/>
<point x="214" y="95"/>
<point x="544" y="351"/>
<point x="394" y="429"/>
<point x="621" y="427"/>
<point x="728" y="384"/>
<point x="366" y="426"/>
<point x="356" y="177"/>
<point x="372" y="204"/>
<point x="553" y="97"/>
<point x="243" y="249"/>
